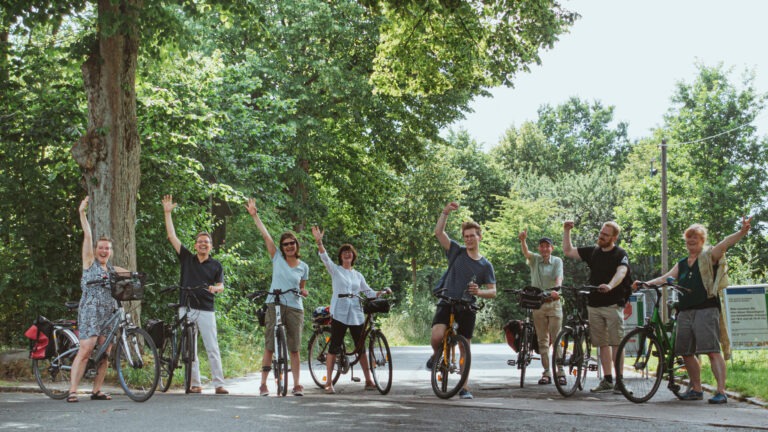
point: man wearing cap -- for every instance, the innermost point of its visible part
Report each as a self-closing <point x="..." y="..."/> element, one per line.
<point x="546" y="273"/>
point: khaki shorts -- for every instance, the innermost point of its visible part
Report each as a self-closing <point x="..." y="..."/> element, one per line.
<point x="293" y="320"/>
<point x="606" y="325"/>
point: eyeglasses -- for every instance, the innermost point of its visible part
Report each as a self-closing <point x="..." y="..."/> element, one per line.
<point x="288" y="243"/>
<point x="202" y="242"/>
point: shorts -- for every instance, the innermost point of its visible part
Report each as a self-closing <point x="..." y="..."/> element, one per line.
<point x="698" y="331"/>
<point x="606" y="325"/>
<point x="293" y="321"/>
<point x="338" y="329"/>
<point x="464" y="317"/>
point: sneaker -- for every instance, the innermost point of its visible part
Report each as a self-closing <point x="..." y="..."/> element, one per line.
<point x="465" y="394"/>
<point x="691" y="395"/>
<point x="603" y="387"/>
<point x="718" y="398"/>
<point x="263" y="390"/>
<point x="430" y="362"/>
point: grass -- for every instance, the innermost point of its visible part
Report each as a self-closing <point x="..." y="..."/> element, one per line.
<point x="747" y="373"/>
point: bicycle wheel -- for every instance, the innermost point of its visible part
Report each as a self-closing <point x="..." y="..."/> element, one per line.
<point x="280" y="361"/>
<point x="524" y="356"/>
<point x="53" y="374"/>
<point x="640" y="370"/>
<point x="380" y="362"/>
<point x="166" y="362"/>
<point x="138" y="364"/>
<point x="680" y="381"/>
<point x="451" y="368"/>
<point x="567" y="362"/>
<point x="317" y="354"/>
<point x="188" y="354"/>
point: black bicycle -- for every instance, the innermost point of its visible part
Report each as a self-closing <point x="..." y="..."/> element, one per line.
<point x="280" y="360"/>
<point x="178" y="340"/>
<point x="572" y="355"/>
<point x="530" y="299"/>
<point x="379" y="355"/>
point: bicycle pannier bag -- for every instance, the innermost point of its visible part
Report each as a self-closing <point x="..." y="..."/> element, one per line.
<point x="322" y="315"/>
<point x="127" y="286"/>
<point x="376" y="306"/>
<point x="512" y="331"/>
<point x="156" y="329"/>
<point x="40" y="335"/>
<point x="261" y="315"/>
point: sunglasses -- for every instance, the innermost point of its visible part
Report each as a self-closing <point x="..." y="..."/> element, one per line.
<point x="288" y="243"/>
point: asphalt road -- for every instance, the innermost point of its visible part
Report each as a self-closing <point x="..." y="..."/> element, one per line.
<point x="499" y="405"/>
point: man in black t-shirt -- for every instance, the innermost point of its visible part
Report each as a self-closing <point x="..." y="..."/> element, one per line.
<point x="609" y="271"/>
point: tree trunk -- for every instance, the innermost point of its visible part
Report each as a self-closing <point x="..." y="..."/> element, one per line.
<point x="108" y="153"/>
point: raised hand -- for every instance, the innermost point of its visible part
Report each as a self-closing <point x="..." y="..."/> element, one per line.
<point x="451" y="206"/>
<point x="317" y="233"/>
<point x="83" y="205"/>
<point x="746" y="224"/>
<point x="568" y="225"/>
<point x="523" y="235"/>
<point x="168" y="204"/>
<point x="251" y="207"/>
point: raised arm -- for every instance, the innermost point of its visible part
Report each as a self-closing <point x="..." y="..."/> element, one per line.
<point x="442" y="237"/>
<point x="568" y="249"/>
<point x="318" y="234"/>
<point x="170" y="231"/>
<point x="523" y="244"/>
<point x="719" y="250"/>
<point x="254" y="212"/>
<point x="88" y="256"/>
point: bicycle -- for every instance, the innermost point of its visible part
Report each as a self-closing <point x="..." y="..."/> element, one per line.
<point x="379" y="355"/>
<point x="280" y="358"/>
<point x="136" y="360"/>
<point x="52" y="368"/>
<point x="447" y="364"/>
<point x="572" y="355"/>
<point x="530" y="299"/>
<point x="653" y="356"/>
<point x="178" y="340"/>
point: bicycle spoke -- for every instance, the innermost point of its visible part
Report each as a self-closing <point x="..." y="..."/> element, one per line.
<point x="138" y="367"/>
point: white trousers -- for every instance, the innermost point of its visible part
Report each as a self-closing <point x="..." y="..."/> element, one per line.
<point x="206" y="326"/>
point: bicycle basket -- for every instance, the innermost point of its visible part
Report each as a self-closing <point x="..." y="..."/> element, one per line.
<point x="127" y="286"/>
<point x="530" y="298"/>
<point x="322" y="315"/>
<point x="156" y="329"/>
<point x="376" y="306"/>
<point x="261" y="315"/>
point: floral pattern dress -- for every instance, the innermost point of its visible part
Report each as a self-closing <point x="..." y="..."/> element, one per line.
<point x="96" y="303"/>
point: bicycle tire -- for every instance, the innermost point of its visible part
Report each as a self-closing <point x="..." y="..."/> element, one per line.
<point x="317" y="354"/>
<point x="638" y="376"/>
<point x="679" y="379"/>
<point x="166" y="362"/>
<point x="380" y="362"/>
<point x="138" y="364"/>
<point x="53" y="374"/>
<point x="280" y="362"/>
<point x="188" y="341"/>
<point x="452" y="365"/>
<point x="525" y="354"/>
<point x="567" y="362"/>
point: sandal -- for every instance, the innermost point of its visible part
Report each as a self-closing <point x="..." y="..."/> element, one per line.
<point x="545" y="380"/>
<point x="72" y="398"/>
<point x="330" y="390"/>
<point x="561" y="380"/>
<point x="100" y="395"/>
<point x="298" y="390"/>
<point x="263" y="390"/>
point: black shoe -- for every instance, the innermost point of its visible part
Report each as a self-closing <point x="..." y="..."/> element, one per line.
<point x="430" y="362"/>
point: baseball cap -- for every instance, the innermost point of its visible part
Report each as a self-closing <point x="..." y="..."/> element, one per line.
<point x="546" y="240"/>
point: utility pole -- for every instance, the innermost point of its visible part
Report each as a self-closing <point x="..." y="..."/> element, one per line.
<point x="664" y="253"/>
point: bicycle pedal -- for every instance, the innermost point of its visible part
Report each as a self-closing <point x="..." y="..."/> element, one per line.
<point x="356" y="379"/>
<point x="592" y="368"/>
<point x="511" y="362"/>
<point x="535" y="357"/>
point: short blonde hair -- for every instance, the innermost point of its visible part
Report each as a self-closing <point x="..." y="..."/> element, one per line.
<point x="615" y="226"/>
<point x="696" y="229"/>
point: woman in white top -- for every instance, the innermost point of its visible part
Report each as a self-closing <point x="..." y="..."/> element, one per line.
<point x="346" y="312"/>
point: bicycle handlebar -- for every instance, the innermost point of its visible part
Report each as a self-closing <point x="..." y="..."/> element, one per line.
<point x="644" y="285"/>
<point x="453" y="301"/>
<point x="259" y="294"/>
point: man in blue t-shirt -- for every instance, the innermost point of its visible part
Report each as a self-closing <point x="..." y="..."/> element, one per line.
<point x="469" y="275"/>
<point x="199" y="269"/>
